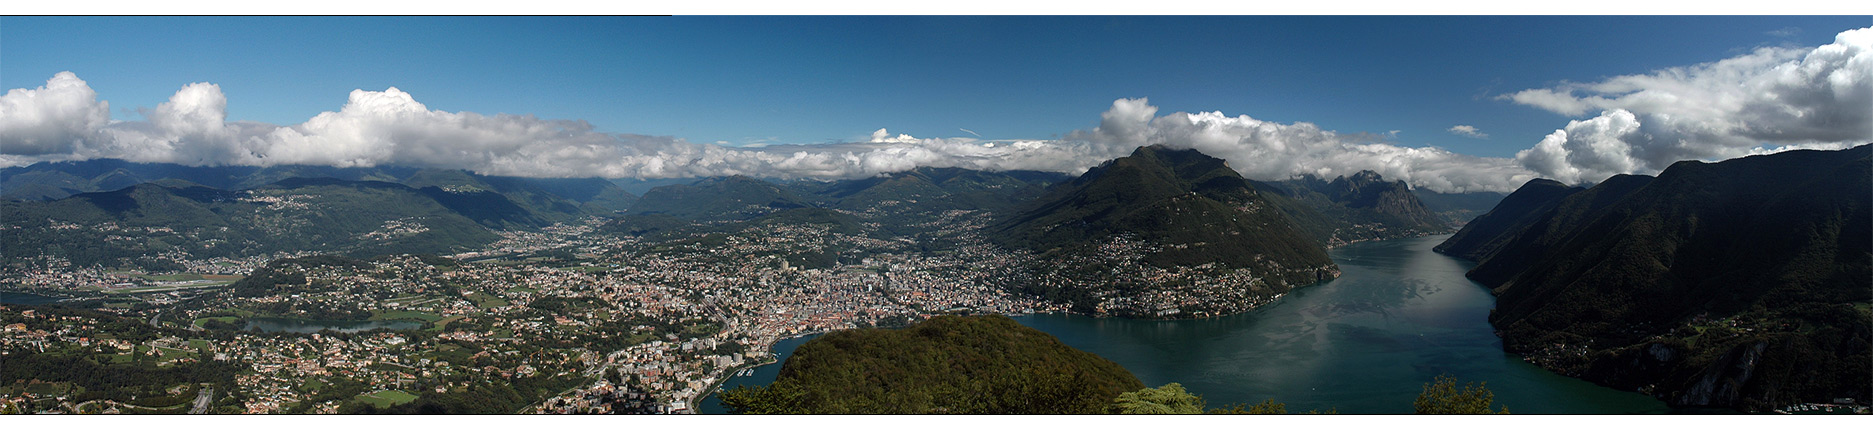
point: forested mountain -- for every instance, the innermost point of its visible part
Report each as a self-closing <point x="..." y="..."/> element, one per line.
<point x="1352" y="209"/>
<point x="56" y="180"/>
<point x="1743" y="283"/>
<point x="931" y="190"/>
<point x="718" y="199"/>
<point x="947" y="364"/>
<point x="141" y="224"/>
<point x="554" y="198"/>
<point x="1527" y="205"/>
<point x="907" y="203"/>
<point x="1170" y="210"/>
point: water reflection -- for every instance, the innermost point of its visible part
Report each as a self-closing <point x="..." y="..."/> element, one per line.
<point x="1398" y="316"/>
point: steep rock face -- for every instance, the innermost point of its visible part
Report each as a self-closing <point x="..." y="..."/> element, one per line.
<point x="1480" y="238"/>
<point x="1743" y="283"/>
<point x="1163" y="233"/>
<point x="1352" y="209"/>
<point x="1529" y="244"/>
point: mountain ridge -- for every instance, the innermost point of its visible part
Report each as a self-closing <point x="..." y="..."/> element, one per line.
<point x="1175" y="213"/>
<point x="1742" y="283"/>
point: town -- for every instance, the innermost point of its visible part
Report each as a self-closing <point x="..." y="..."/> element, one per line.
<point x="565" y="318"/>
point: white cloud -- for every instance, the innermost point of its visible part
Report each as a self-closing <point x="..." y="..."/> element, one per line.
<point x="1467" y="131"/>
<point x="1273" y="151"/>
<point x="391" y="127"/>
<point x="51" y="120"/>
<point x="1770" y="99"/>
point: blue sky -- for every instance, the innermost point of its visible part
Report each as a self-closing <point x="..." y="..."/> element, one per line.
<point x="809" y="80"/>
<point x="818" y="79"/>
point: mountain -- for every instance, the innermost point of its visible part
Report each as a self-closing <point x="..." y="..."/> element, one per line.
<point x="936" y="189"/>
<point x="143" y="224"/>
<point x="1352" y="209"/>
<point x="1746" y="283"/>
<point x="1458" y="209"/>
<point x="56" y="180"/>
<point x="1545" y="230"/>
<point x="1157" y="233"/>
<point x="717" y="199"/>
<point x="907" y="202"/>
<point x="549" y="199"/>
<point x="1481" y="237"/>
<point x="944" y="365"/>
<point x="497" y="202"/>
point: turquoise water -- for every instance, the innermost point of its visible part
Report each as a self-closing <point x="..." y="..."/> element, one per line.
<point x="761" y="376"/>
<point x="1398" y="316"/>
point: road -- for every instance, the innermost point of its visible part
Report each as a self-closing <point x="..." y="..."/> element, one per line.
<point x="201" y="400"/>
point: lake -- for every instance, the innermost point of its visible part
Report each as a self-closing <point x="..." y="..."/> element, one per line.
<point x="1365" y="343"/>
<point x="762" y="375"/>
<point x="294" y="325"/>
<point x="26" y="299"/>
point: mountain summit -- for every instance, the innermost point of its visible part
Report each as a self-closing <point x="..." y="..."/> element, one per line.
<point x="1163" y="233"/>
<point x="1351" y="209"/>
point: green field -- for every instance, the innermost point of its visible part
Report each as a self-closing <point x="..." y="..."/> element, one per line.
<point x="407" y="315"/>
<point x="387" y="398"/>
<point x="445" y="322"/>
<point x="485" y="301"/>
<point x="230" y="320"/>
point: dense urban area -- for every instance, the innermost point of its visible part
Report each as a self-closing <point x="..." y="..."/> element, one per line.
<point x="560" y="320"/>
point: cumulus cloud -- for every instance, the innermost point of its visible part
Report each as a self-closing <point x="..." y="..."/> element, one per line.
<point x="50" y="120"/>
<point x="1273" y="151"/>
<point x="1772" y="99"/>
<point x="1467" y="131"/>
<point x="391" y="127"/>
<point x="881" y="136"/>
<point x="64" y="121"/>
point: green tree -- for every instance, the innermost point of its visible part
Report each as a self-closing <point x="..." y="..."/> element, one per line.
<point x="1168" y="399"/>
<point x="1443" y="397"/>
<point x="1267" y="407"/>
<point x="781" y="397"/>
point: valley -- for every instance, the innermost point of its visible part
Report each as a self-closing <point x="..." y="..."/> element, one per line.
<point x="545" y="307"/>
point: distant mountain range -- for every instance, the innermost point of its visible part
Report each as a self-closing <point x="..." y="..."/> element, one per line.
<point x="1353" y="209"/>
<point x="1182" y="211"/>
<point x="139" y="225"/>
<point x="1743" y="283"/>
<point x="122" y="214"/>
